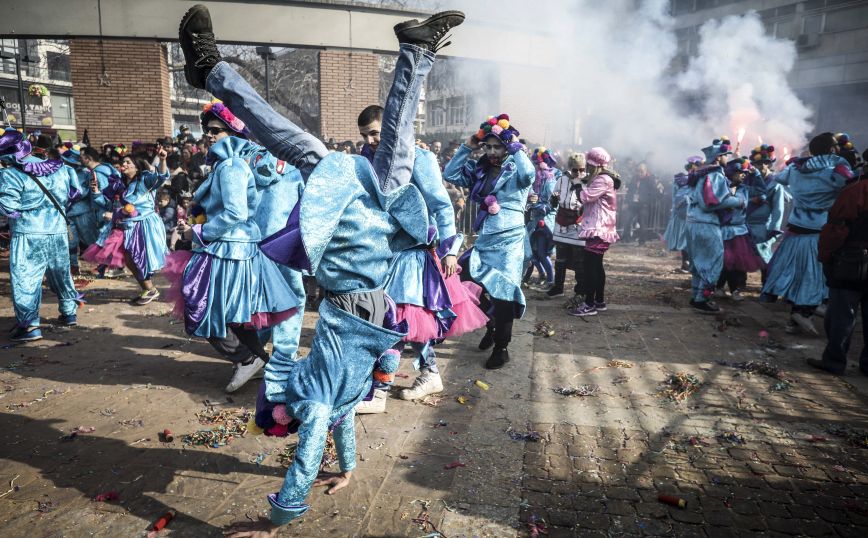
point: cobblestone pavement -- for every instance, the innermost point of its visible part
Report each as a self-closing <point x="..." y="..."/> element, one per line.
<point x="750" y="454"/>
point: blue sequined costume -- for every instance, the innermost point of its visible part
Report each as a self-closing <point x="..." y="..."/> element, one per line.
<point x="676" y="230"/>
<point x="239" y="281"/>
<point x="39" y="246"/>
<point x="497" y="257"/>
<point x="795" y="272"/>
<point x="709" y="196"/>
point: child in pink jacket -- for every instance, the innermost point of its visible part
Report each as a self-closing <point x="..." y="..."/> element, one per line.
<point x="598" y="229"/>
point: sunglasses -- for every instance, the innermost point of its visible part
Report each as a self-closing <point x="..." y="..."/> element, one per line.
<point x="215" y="130"/>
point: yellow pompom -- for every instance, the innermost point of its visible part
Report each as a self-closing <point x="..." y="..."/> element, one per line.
<point x="253" y="429"/>
<point x="129" y="209"/>
<point x="200" y="219"/>
<point x="504" y="123"/>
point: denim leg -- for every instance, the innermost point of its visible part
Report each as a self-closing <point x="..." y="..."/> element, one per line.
<point x="425" y="358"/>
<point x="284" y="139"/>
<point x="541" y="254"/>
<point x="393" y="162"/>
<point x="839" y="322"/>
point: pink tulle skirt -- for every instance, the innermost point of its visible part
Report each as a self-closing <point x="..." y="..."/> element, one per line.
<point x="740" y="254"/>
<point x="421" y="323"/>
<point x="465" y="301"/>
<point x="173" y="271"/>
<point x="111" y="254"/>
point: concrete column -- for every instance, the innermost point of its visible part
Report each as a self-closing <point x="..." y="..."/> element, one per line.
<point x="133" y="102"/>
<point x="348" y="82"/>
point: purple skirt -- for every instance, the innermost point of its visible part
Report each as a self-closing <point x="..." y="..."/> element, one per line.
<point x="597" y="245"/>
<point x="740" y="254"/>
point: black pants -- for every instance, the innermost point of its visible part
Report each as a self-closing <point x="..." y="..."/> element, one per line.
<point x="595" y="277"/>
<point x="844" y="306"/>
<point x="737" y="280"/>
<point x="568" y="257"/>
<point x="240" y="345"/>
<point x="501" y="313"/>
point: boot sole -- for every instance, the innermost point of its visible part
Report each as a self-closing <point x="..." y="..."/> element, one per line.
<point x="436" y="17"/>
<point x="185" y="45"/>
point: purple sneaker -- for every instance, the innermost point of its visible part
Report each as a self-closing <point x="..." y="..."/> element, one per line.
<point x="601" y="307"/>
<point x="583" y="310"/>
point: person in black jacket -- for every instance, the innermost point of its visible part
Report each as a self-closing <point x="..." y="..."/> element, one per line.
<point x="843" y="249"/>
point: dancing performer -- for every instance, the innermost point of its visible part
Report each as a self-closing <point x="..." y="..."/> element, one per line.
<point x="137" y="238"/>
<point x="83" y="224"/>
<point x="710" y="196"/>
<point x="676" y="230"/>
<point x="569" y="246"/>
<point x="423" y="280"/>
<point x="499" y="182"/>
<point x="540" y="216"/>
<point x="102" y="174"/>
<point x="767" y="201"/>
<point x="345" y="229"/>
<point x="599" y="203"/>
<point x="740" y="256"/>
<point x="227" y="282"/>
<point x="33" y="195"/>
<point x="795" y="272"/>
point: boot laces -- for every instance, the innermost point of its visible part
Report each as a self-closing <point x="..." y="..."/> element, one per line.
<point x="206" y="46"/>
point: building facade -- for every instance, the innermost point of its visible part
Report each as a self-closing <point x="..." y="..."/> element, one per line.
<point x="831" y="36"/>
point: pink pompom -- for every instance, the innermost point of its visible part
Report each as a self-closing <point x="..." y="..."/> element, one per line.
<point x="280" y="415"/>
<point x="493" y="206"/>
<point x="492" y="121"/>
<point x="496" y="129"/>
<point x="541" y="224"/>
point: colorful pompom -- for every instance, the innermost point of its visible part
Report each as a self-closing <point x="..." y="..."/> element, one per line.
<point x="280" y="415"/>
<point x="503" y="123"/>
<point x="496" y="129"/>
<point x="492" y="121"/>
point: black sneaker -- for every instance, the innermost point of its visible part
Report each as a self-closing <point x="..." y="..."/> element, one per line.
<point x="820" y="365"/>
<point x="705" y="307"/>
<point x="487" y="340"/>
<point x="555" y="291"/>
<point x="498" y="358"/>
<point x="429" y="33"/>
<point x="199" y="45"/>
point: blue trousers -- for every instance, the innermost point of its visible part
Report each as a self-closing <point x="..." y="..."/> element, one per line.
<point x="32" y="257"/>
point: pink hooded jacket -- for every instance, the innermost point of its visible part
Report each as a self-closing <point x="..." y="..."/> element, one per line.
<point x="600" y="204"/>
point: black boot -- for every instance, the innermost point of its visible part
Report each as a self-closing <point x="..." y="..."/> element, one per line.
<point x="499" y="357"/>
<point x="199" y="46"/>
<point x="429" y="33"/>
<point x="487" y="339"/>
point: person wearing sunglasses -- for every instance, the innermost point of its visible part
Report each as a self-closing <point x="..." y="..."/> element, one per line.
<point x="229" y="290"/>
<point x="499" y="183"/>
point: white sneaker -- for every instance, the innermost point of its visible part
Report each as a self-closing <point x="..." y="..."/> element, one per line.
<point x="427" y="383"/>
<point x="373" y="406"/>
<point x="805" y="324"/>
<point x="244" y="373"/>
<point x="821" y="311"/>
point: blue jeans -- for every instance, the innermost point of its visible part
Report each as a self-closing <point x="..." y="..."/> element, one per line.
<point x="840" y="320"/>
<point x="393" y="162"/>
<point x="541" y="244"/>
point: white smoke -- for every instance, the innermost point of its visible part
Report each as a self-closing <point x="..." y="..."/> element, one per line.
<point x="612" y="76"/>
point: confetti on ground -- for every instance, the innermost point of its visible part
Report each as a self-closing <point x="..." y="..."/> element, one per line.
<point x="46" y="394"/>
<point x="762" y="368"/>
<point x="228" y="424"/>
<point x="531" y="436"/>
<point x="432" y="400"/>
<point x="544" y="328"/>
<point x="581" y="390"/>
<point x="453" y="465"/>
<point x="679" y="386"/>
<point x="107" y="497"/>
<point x="853" y="436"/>
<point x="615" y="363"/>
<point x="731" y="438"/>
<point x="329" y="455"/>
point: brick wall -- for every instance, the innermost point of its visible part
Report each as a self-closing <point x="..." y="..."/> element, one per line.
<point x="348" y="82"/>
<point x="136" y="106"/>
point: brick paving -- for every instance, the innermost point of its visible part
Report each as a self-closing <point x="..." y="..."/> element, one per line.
<point x="597" y="469"/>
